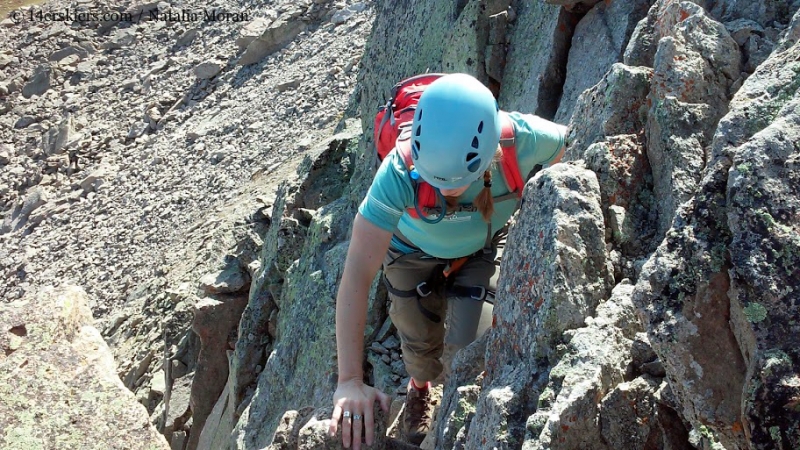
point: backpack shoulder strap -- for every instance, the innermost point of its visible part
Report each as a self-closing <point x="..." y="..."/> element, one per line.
<point x="508" y="163"/>
<point x="425" y="193"/>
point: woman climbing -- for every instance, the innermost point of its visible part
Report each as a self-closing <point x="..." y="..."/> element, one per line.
<point x="439" y="264"/>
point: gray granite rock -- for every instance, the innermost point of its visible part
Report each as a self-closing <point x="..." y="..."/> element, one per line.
<point x="59" y="384"/>
<point x="718" y="290"/>
<point x="599" y="41"/>
<point x="695" y="67"/>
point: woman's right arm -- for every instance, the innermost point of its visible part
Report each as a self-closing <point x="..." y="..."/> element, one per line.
<point x="368" y="246"/>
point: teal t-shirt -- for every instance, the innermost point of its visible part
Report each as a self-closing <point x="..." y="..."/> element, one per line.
<point x="460" y="233"/>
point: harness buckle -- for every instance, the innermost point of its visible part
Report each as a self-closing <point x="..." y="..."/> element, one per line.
<point x="423" y="290"/>
<point x="482" y="294"/>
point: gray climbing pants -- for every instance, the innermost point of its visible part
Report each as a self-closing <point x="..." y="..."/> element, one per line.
<point x="423" y="341"/>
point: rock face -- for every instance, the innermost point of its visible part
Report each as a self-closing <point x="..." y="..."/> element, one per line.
<point x="59" y="384"/>
<point x="560" y="284"/>
<point x="599" y="41"/>
<point x="719" y="295"/>
<point x="694" y="68"/>
<point x="537" y="59"/>
<point x="303" y="341"/>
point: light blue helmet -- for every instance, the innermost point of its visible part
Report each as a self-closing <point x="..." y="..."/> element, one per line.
<point x="455" y="131"/>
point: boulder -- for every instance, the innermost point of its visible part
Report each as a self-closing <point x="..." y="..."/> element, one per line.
<point x="275" y="37"/>
<point x="19" y="216"/>
<point x="121" y="38"/>
<point x="58" y="138"/>
<point x="641" y="49"/>
<point x="742" y="29"/>
<point x="558" y="276"/>
<point x="58" y="382"/>
<point x="755" y="51"/>
<point x="97" y="177"/>
<point x="5" y="155"/>
<point x="208" y="69"/>
<point x="625" y="178"/>
<point x="253" y="29"/>
<point x="187" y="37"/>
<point x="58" y="55"/>
<point x="39" y="82"/>
<point x="307" y="429"/>
<point x="635" y="416"/>
<point x="7" y="59"/>
<point x="617" y="105"/>
<point x="232" y="279"/>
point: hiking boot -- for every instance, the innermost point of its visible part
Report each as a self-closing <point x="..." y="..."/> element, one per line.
<point x="417" y="413"/>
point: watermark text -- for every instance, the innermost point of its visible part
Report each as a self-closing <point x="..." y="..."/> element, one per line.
<point x="68" y="15"/>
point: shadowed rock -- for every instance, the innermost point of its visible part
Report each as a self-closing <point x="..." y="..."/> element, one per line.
<point x="39" y="82"/>
<point x="599" y="41"/>
<point x="537" y="59"/>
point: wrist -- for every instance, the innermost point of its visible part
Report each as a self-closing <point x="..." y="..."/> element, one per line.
<point x="351" y="379"/>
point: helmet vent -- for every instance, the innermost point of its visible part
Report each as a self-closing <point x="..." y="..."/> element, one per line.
<point x="474" y="165"/>
<point x="475" y="143"/>
<point x="480" y="127"/>
<point x="419" y="130"/>
<point x="419" y="116"/>
<point x="416" y="144"/>
<point x="471" y="156"/>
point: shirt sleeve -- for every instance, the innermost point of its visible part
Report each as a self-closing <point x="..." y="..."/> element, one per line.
<point x="389" y="195"/>
<point x="538" y="140"/>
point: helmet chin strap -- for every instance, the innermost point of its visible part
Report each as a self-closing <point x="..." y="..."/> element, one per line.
<point x="441" y="200"/>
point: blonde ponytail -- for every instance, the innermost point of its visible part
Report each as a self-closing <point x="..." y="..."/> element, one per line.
<point x="484" y="201"/>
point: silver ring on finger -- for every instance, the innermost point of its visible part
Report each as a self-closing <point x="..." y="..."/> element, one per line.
<point x="346" y="414"/>
<point x="357" y="417"/>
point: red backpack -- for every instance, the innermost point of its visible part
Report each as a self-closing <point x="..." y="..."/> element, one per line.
<point x="392" y="132"/>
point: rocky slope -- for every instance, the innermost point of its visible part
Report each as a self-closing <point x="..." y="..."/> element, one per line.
<point x="183" y="128"/>
<point x="651" y="295"/>
<point x="167" y="124"/>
